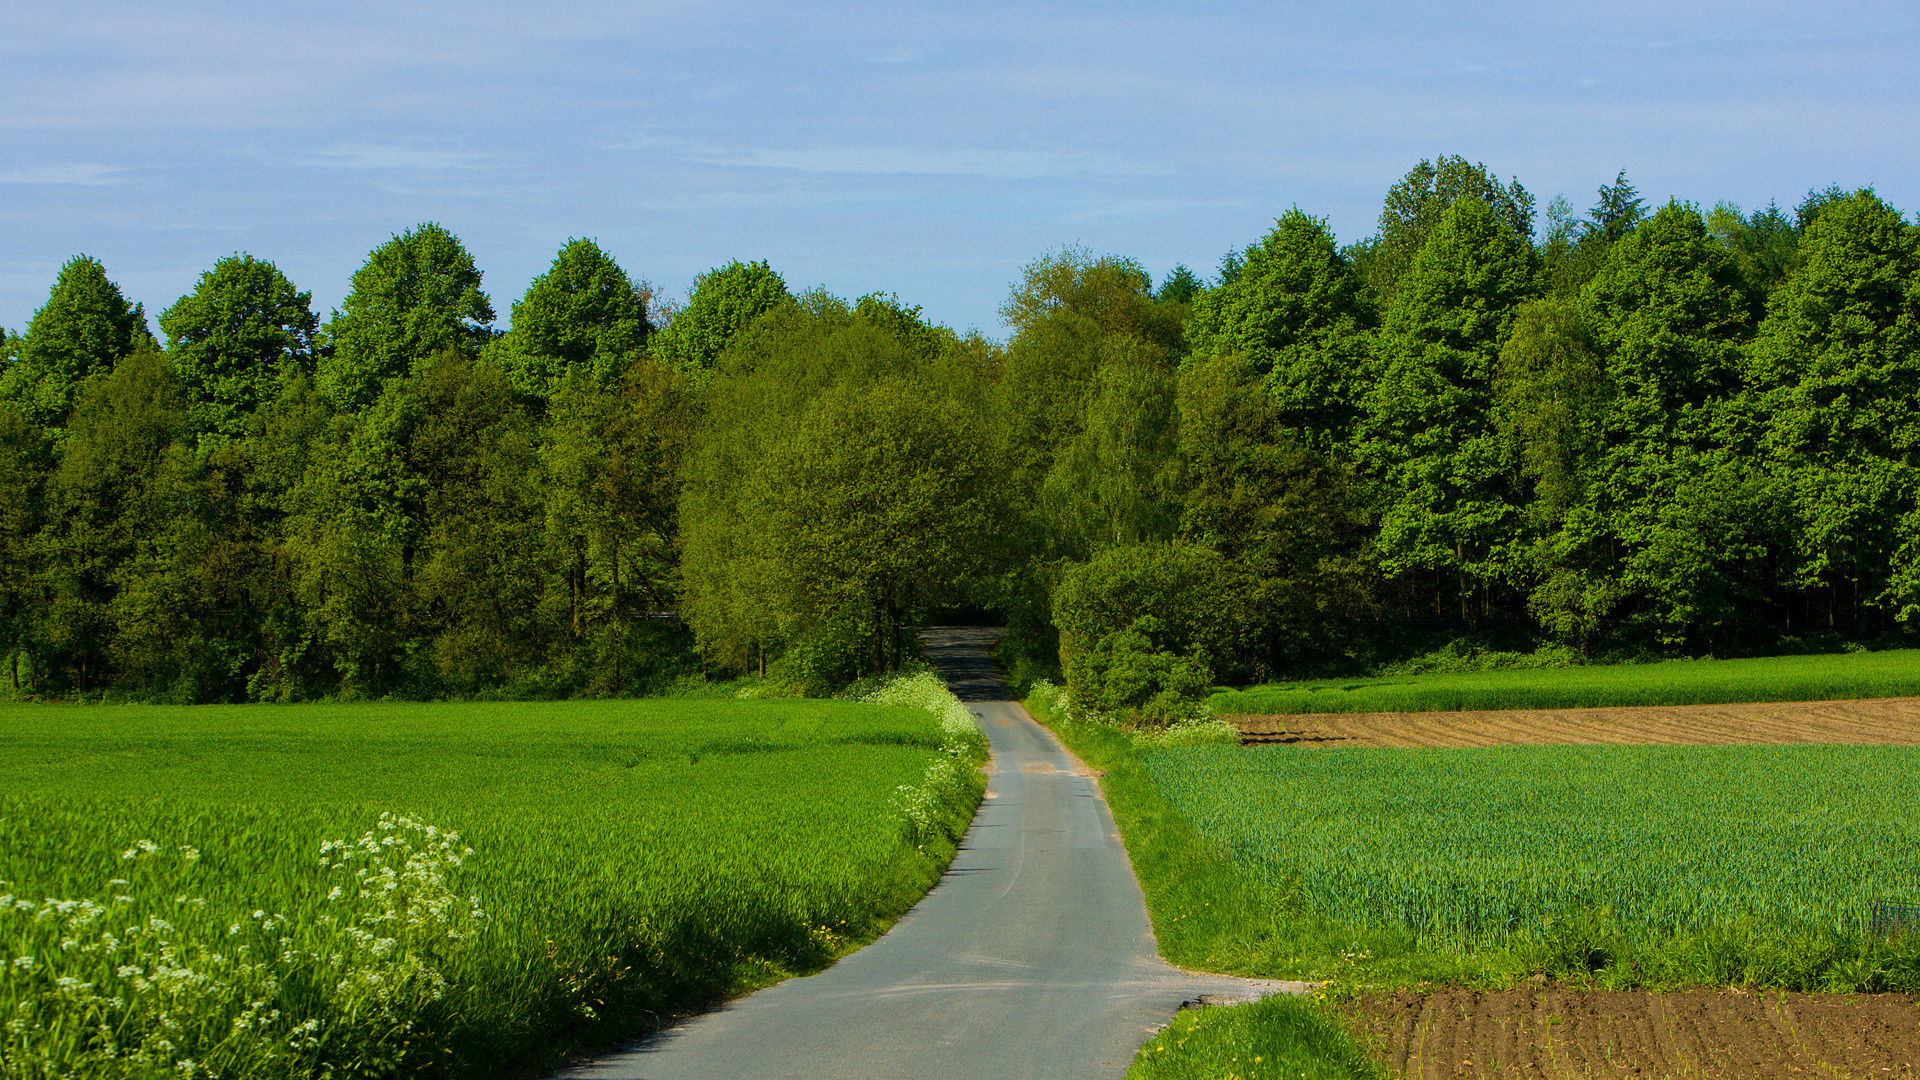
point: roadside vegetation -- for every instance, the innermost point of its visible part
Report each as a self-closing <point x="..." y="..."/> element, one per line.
<point x="1894" y="673"/>
<point x="445" y="889"/>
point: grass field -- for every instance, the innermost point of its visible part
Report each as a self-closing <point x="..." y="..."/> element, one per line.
<point x="1893" y="673"/>
<point x="1468" y="848"/>
<point x="216" y="892"/>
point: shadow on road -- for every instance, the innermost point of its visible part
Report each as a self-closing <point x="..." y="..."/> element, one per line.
<point x="962" y="655"/>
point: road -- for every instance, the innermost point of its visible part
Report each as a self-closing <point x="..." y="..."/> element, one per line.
<point x="1032" y="957"/>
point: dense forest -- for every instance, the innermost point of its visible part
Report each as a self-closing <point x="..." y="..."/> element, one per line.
<point x="1629" y="433"/>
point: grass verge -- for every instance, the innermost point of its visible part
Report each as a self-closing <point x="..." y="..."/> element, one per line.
<point x="1280" y="1038"/>
<point x="1843" y="676"/>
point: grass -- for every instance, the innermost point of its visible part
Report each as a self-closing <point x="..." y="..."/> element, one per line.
<point x="1893" y="673"/>
<point x="1280" y="1038"/>
<point x="1473" y="848"/>
<point x="1651" y="867"/>
<point x="628" y="859"/>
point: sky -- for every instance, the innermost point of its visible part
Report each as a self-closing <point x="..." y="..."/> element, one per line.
<point x="926" y="150"/>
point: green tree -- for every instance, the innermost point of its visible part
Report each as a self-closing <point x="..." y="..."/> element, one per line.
<point x="584" y="312"/>
<point x="725" y="301"/>
<point x="610" y="465"/>
<point x="1301" y="317"/>
<point x="86" y="327"/>
<point x="1426" y="437"/>
<point x="1837" y="367"/>
<point x="1415" y="205"/>
<point x="1180" y="286"/>
<point x="234" y="340"/>
<point x="106" y="502"/>
<point x="1619" y="210"/>
<point x="417" y="296"/>
<point x="24" y="467"/>
<point x="839" y="483"/>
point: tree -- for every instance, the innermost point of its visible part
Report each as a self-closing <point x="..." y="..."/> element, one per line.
<point x="24" y="466"/>
<point x="417" y="296"/>
<point x="1426" y="434"/>
<point x="106" y="502"/>
<point x="1415" y="205"/>
<point x="1618" y="211"/>
<point x="1837" y="368"/>
<point x="725" y="301"/>
<point x="584" y="312"/>
<point x="840" y="482"/>
<point x="234" y="340"/>
<point x="86" y="327"/>
<point x="1181" y="286"/>
<point x="1301" y="317"/>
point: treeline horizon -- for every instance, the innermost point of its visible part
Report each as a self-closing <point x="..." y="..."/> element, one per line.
<point x="1637" y="432"/>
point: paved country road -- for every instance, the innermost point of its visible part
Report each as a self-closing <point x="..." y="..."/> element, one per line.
<point x="1033" y="957"/>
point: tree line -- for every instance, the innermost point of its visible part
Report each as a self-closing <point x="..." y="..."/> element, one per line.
<point x="1629" y="432"/>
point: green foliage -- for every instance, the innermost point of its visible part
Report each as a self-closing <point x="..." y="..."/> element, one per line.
<point x="1619" y="210"/>
<point x="627" y="860"/>
<point x="1127" y="675"/>
<point x="584" y="313"/>
<point x="1837" y="365"/>
<point x="725" y="301"/>
<point x="418" y="296"/>
<point x="1298" y="315"/>
<point x="838" y="484"/>
<point x="1140" y="620"/>
<point x="1283" y="1037"/>
<point x="1426" y="430"/>
<point x="1417" y="203"/>
<point x="235" y="340"/>
<point x="86" y="327"/>
<point x="1520" y="683"/>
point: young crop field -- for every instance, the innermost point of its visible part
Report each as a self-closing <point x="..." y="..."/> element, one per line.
<point x="1893" y="673"/>
<point x="1606" y="849"/>
<point x="453" y="889"/>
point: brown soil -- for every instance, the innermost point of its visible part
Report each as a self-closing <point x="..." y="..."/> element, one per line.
<point x="1876" y="720"/>
<point x="1552" y="1033"/>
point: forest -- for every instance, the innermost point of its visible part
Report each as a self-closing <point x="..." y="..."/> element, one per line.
<point x="1482" y="435"/>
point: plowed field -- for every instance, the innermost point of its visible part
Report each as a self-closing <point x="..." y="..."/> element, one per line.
<point x="1876" y="720"/>
<point x="1552" y="1033"/>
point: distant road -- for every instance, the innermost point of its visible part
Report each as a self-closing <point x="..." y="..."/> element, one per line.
<point x="1033" y="957"/>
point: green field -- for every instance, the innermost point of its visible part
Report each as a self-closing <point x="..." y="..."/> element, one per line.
<point x="1893" y="673"/>
<point x="172" y="898"/>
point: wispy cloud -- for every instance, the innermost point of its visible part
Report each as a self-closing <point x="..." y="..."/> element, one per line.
<point x="89" y="175"/>
<point x="934" y="161"/>
<point x="372" y="156"/>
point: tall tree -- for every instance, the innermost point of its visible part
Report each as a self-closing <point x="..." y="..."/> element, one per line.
<point x="725" y="301"/>
<point x="1420" y="199"/>
<point x="584" y="312"/>
<point x="1620" y="209"/>
<point x="1837" y="364"/>
<point x="840" y="482"/>
<point x="234" y="340"/>
<point x="86" y="327"/>
<point x="417" y="296"/>
<point x="1426" y="435"/>
<point x="1301" y="318"/>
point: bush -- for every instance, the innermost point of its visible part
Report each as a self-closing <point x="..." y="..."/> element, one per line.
<point x="1125" y="676"/>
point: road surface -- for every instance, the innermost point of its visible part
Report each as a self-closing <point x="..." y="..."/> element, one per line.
<point x="1033" y="957"/>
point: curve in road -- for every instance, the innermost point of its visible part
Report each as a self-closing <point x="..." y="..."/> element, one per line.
<point x="1033" y="956"/>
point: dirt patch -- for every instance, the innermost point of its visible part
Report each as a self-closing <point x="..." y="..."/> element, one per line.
<point x="1875" y="720"/>
<point x="1552" y="1033"/>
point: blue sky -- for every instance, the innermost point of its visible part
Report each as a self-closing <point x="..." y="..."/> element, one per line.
<point x="928" y="150"/>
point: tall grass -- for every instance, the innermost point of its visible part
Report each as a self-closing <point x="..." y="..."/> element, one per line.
<point x="1894" y="673"/>
<point x="382" y="890"/>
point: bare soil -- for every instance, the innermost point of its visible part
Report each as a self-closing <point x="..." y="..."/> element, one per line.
<point x="1550" y="1033"/>
<point x="1874" y="720"/>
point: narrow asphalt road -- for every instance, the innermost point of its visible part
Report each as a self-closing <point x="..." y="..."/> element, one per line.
<point x="1033" y="957"/>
